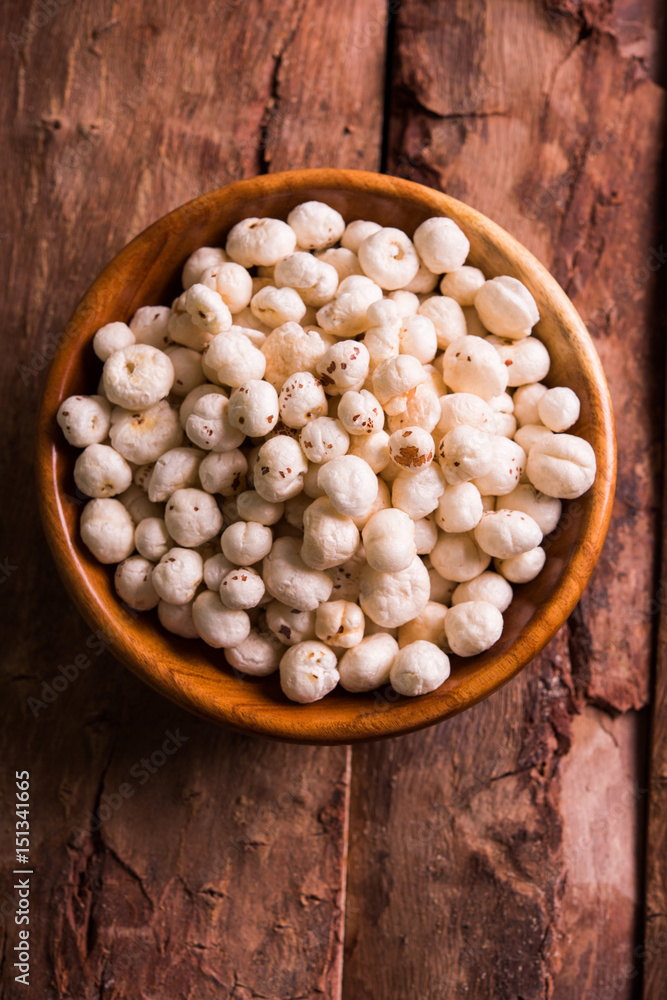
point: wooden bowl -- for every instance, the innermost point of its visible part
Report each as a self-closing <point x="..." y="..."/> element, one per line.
<point x="197" y="677"/>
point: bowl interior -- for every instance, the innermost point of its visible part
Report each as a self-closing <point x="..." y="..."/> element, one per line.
<point x="147" y="272"/>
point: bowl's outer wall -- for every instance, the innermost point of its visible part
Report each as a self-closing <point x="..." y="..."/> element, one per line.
<point x="195" y="676"/>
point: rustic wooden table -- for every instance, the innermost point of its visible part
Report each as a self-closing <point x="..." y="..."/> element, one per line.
<point x="517" y="851"/>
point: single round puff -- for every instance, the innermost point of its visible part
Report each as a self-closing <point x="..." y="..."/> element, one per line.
<point x="506" y="307"/>
<point x="308" y="671"/>
<point x="389" y="540"/>
<point x="441" y="244"/>
<point x="367" y="665"/>
<point x="562" y="466"/>
<point x="505" y="533"/>
<point x="473" y="627"/>
<point x="488" y="586"/>
<point x="419" y="668"/>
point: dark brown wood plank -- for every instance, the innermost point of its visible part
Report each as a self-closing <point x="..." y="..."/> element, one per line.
<point x="222" y="873"/>
<point x="499" y="855"/>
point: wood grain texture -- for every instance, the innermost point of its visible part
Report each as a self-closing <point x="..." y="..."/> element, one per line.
<point x="478" y="828"/>
<point x="191" y="674"/>
<point x="460" y="868"/>
<point x="222" y="874"/>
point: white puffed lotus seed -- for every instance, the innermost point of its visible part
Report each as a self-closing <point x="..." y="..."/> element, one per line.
<point x="252" y="507"/>
<point x="417" y="337"/>
<point x="559" y="408"/>
<point x="529" y="434"/>
<point x="100" y="471"/>
<point x="242" y="589"/>
<point x="356" y="232"/>
<point x="473" y="627"/>
<point x="411" y="448"/>
<point x="84" y="420"/>
<point x="465" y="453"/>
<point x="133" y="584"/>
<point x="137" y="376"/>
<point x="344" y="261"/>
<point x="389" y="258"/>
<point x="506" y="307"/>
<point x="246" y="542"/>
<point x="308" y="671"/>
<point x="192" y="517"/>
<point x="429" y="625"/>
<point x="209" y="426"/>
<point x="545" y="510"/>
<point x="112" y="337"/>
<point x="257" y="655"/>
<point x="290" y="348"/>
<point x="526" y="400"/>
<point x="188" y="373"/>
<point x="509" y="461"/>
<point x="488" y="586"/>
<point x="447" y="317"/>
<point x="340" y="623"/>
<point x="441" y="244"/>
<point x="274" y="306"/>
<point x="107" y="530"/>
<point x="347" y="313"/>
<point x="224" y="472"/>
<point x="280" y="468"/>
<point x="150" y="325"/>
<point x="350" y="484"/>
<point x="302" y="399"/>
<point x="418" y="493"/>
<point x="291" y="581"/>
<point x="389" y="540"/>
<point x="314" y="280"/>
<point x="177" y="619"/>
<point x="360" y="412"/>
<point x="207" y="310"/>
<point x="199" y="261"/>
<point x="290" y="625"/>
<point x="264" y="242"/>
<point x="177" y="575"/>
<point x="176" y="469"/>
<point x="527" y="361"/>
<point x="217" y="625"/>
<point x="562" y="466"/>
<point x="419" y="668"/>
<point x="324" y="439"/>
<point x="231" y="359"/>
<point x="524" y="567"/>
<point x="316" y="225"/>
<point x="374" y="450"/>
<point x="391" y="599"/>
<point x="231" y="281"/>
<point x="463" y="284"/>
<point x="142" y="436"/>
<point x="152" y="538"/>
<point x="367" y="665"/>
<point x="460" y="508"/>
<point x="254" y="408"/>
<point x="473" y="365"/>
<point x="457" y="556"/>
<point x="329" y="537"/>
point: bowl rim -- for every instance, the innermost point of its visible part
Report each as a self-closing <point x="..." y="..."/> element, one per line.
<point x="424" y="711"/>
